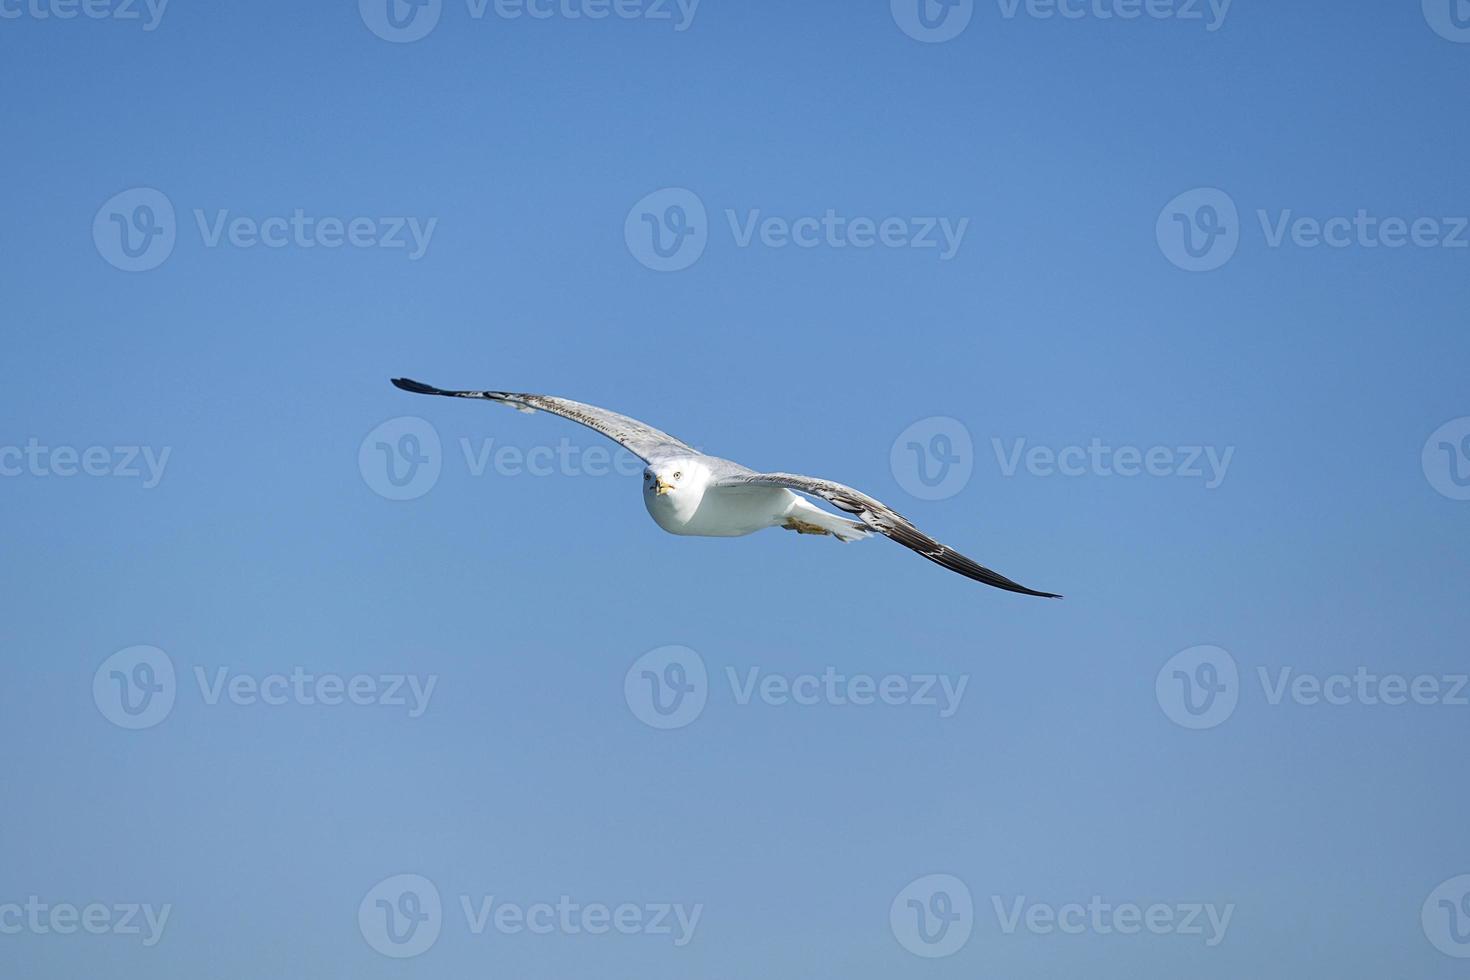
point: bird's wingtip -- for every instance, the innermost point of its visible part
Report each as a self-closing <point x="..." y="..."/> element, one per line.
<point x="417" y="387"/>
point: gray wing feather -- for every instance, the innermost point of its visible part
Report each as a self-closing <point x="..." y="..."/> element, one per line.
<point x="886" y="521"/>
<point x="641" y="439"/>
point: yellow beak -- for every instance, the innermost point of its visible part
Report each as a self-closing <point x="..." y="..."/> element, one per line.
<point x="663" y="488"/>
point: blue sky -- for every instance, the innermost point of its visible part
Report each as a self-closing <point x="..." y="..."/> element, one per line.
<point x="1220" y="248"/>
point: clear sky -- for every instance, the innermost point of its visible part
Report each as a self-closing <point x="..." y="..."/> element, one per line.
<point x="983" y="263"/>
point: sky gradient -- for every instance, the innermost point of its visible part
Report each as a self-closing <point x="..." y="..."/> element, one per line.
<point x="1165" y="312"/>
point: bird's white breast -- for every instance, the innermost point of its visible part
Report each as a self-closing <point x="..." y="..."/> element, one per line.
<point x="720" y="512"/>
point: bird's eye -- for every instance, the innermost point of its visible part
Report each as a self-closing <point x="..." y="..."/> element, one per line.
<point x="677" y="475"/>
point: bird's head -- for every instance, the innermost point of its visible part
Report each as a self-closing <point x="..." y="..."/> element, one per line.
<point x="678" y="482"/>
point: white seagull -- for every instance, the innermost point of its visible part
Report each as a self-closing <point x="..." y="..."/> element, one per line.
<point x="688" y="492"/>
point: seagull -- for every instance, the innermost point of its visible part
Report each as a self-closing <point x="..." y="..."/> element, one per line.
<point x="689" y="492"/>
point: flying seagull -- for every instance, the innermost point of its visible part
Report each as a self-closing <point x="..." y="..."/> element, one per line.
<point x="688" y="492"/>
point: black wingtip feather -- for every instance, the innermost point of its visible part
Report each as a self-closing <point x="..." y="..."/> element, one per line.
<point x="417" y="387"/>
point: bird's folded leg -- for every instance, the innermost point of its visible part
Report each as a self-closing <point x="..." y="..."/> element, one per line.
<point x="802" y="527"/>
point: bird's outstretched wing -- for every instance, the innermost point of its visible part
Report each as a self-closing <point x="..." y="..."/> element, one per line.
<point x="641" y="439"/>
<point x="886" y="521"/>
